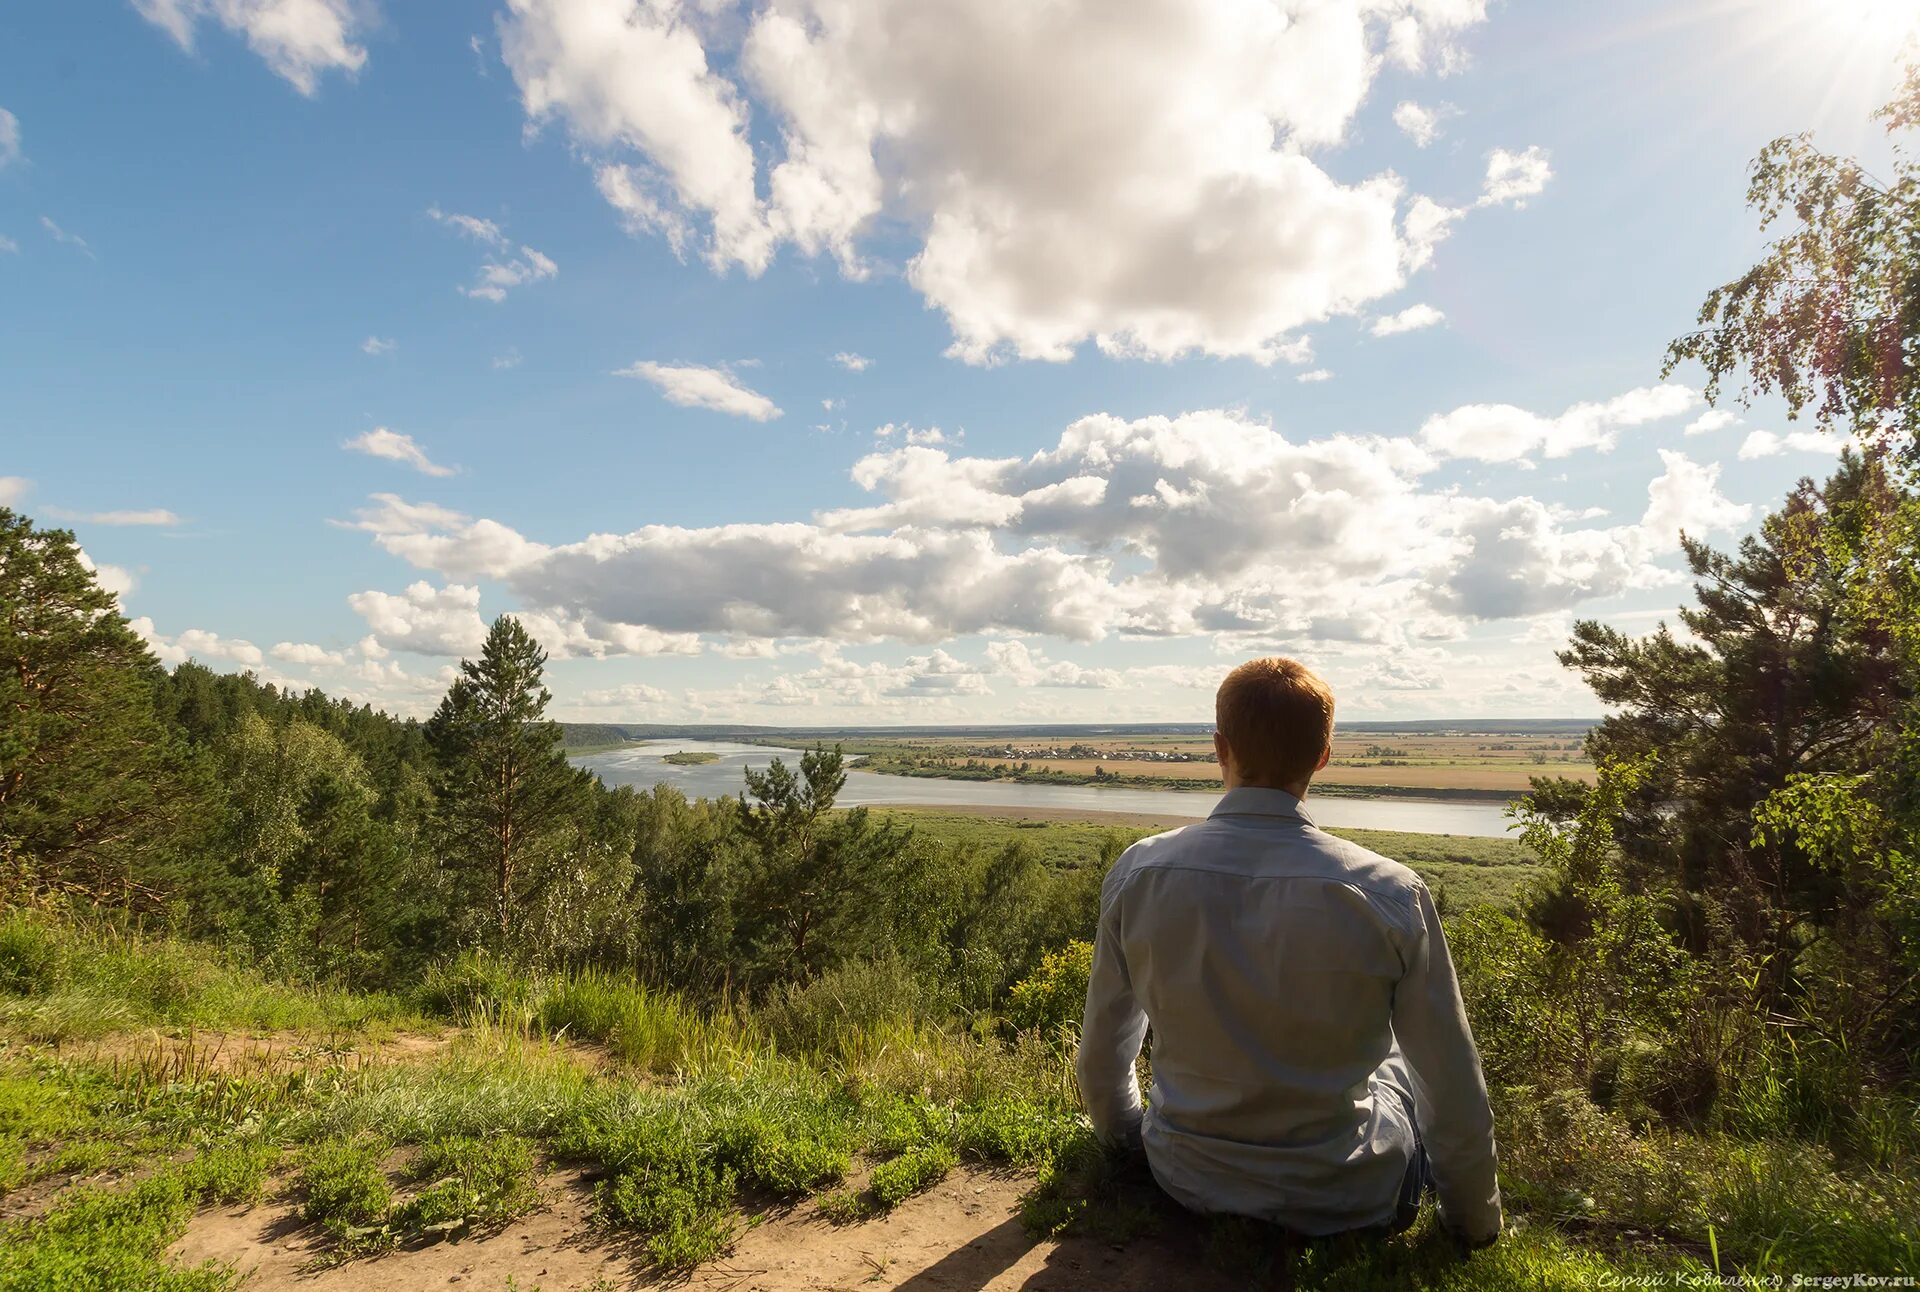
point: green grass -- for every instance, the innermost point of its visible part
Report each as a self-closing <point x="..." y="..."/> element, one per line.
<point x="716" y="1115"/>
<point x="1469" y="870"/>
<point x="62" y="983"/>
<point x="691" y="758"/>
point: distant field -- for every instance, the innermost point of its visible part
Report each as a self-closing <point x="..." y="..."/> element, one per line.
<point x="1481" y="762"/>
<point x="1468" y="871"/>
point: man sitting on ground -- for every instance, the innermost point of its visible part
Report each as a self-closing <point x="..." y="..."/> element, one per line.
<point x="1312" y="1064"/>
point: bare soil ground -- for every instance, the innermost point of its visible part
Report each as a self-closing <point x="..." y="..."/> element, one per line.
<point x="202" y="1052"/>
<point x="962" y="1236"/>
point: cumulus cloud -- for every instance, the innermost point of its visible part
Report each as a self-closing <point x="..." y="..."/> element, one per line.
<point x="691" y="386"/>
<point x="1207" y="523"/>
<point x="424" y="619"/>
<point x="503" y="269"/>
<point x="1519" y="557"/>
<point x="13" y="489"/>
<point x="376" y="345"/>
<point x="1314" y="375"/>
<point x="299" y="39"/>
<point x="308" y="654"/>
<point x="9" y="138"/>
<point x="395" y="447"/>
<point x="197" y="644"/>
<point x="1025" y="665"/>
<point x="1422" y="125"/>
<point x="1714" y="419"/>
<point x="112" y="578"/>
<point x="1686" y="497"/>
<point x="7" y="245"/>
<point x="1505" y="433"/>
<point x="1512" y="178"/>
<point x="1410" y="319"/>
<point x="852" y="362"/>
<point x="1139" y="178"/>
<point x="1766" y="444"/>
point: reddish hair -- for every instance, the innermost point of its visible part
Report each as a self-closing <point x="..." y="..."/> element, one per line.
<point x="1277" y="717"/>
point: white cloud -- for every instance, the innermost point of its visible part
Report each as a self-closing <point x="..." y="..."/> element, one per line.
<point x="7" y="245"/>
<point x="424" y="619"/>
<point x="197" y="644"/>
<point x="1316" y="374"/>
<point x="630" y="695"/>
<point x="9" y="138"/>
<point x="306" y="653"/>
<point x="154" y="516"/>
<point x="375" y="345"/>
<point x="299" y="39"/>
<point x="1766" y="444"/>
<point x="1025" y="665"/>
<point x="1422" y="125"/>
<point x="912" y="434"/>
<point x="1208" y="523"/>
<point x="1137" y="177"/>
<point x="1504" y="433"/>
<point x="502" y="362"/>
<point x="65" y="238"/>
<point x="853" y="362"/>
<point x="501" y="271"/>
<point x="13" y="489"/>
<point x="691" y="386"/>
<point x="1714" y="419"/>
<point x="1410" y="319"/>
<point x="395" y="447"/>
<point x="113" y="578"/>
<point x="1687" y="498"/>
<point x="1512" y="178"/>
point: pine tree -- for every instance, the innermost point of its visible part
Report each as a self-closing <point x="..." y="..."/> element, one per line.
<point x="506" y="789"/>
<point x="93" y="782"/>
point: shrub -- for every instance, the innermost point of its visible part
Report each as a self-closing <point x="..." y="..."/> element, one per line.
<point x="473" y="983"/>
<point x="1054" y="996"/>
<point x="473" y="1182"/>
<point x="914" y="1171"/>
<point x="662" y="1187"/>
<point x="33" y="956"/>
<point x="347" y="1192"/>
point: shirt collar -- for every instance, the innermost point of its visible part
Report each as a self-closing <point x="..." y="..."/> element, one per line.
<point x="1254" y="800"/>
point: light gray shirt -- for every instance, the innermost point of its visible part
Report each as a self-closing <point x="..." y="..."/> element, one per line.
<point x="1302" y="1003"/>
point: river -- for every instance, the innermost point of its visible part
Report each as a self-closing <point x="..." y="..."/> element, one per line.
<point x="643" y="765"/>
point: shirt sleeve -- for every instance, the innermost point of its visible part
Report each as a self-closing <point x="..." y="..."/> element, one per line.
<point x="1449" y="1091"/>
<point x="1111" y="1034"/>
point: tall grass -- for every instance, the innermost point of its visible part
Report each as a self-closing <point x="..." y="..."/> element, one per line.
<point x="60" y="981"/>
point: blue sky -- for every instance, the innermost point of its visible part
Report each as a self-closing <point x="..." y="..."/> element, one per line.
<point x="336" y="327"/>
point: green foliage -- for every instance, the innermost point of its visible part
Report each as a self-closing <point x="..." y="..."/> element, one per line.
<point x="914" y="1171"/>
<point x="507" y="797"/>
<point x="816" y="888"/>
<point x="679" y="1200"/>
<point x="469" y="1183"/>
<point x="81" y="982"/>
<point x="653" y="1030"/>
<point x="1826" y="320"/>
<point x="1052" y="998"/>
<point x="347" y="1192"/>
<point x="94" y="784"/>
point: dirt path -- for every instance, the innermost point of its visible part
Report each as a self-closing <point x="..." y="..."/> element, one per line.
<point x="962" y="1236"/>
<point x="198" y="1053"/>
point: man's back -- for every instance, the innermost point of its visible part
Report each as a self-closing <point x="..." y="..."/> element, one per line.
<point x="1279" y="965"/>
